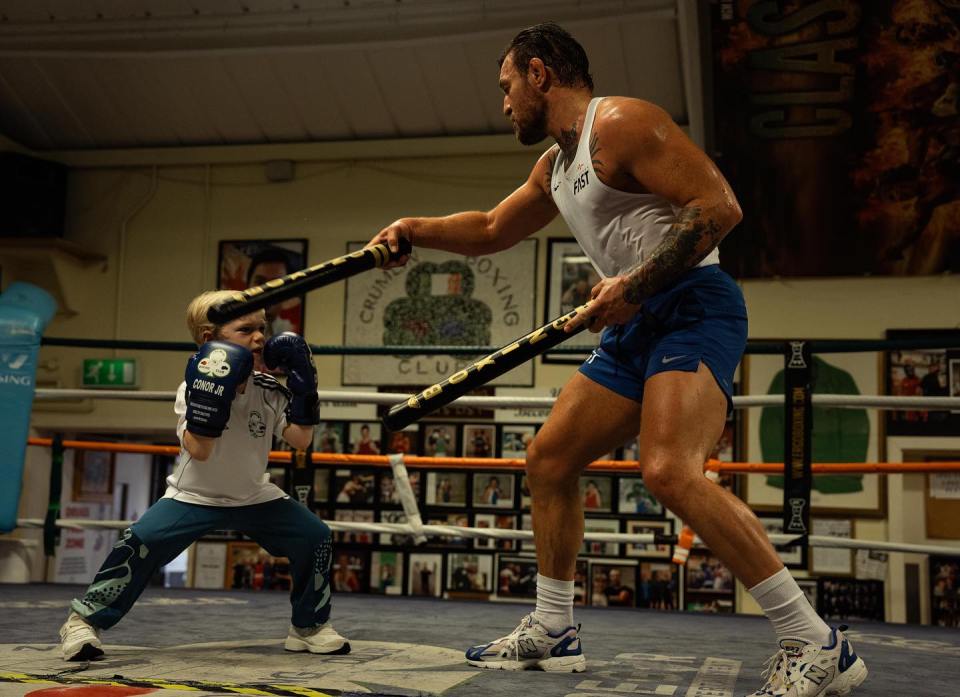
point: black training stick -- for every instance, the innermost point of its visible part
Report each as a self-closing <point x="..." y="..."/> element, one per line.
<point x="299" y="282"/>
<point x="483" y="371"/>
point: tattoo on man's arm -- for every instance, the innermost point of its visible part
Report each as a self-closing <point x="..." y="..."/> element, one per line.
<point x="687" y="242"/>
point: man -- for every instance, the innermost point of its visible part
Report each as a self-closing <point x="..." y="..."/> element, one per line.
<point x="266" y="265"/>
<point x="617" y="593"/>
<point x="649" y="209"/>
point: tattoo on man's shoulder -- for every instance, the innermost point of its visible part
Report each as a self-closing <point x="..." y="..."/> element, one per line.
<point x="594" y="149"/>
<point x="685" y="245"/>
<point x="551" y="163"/>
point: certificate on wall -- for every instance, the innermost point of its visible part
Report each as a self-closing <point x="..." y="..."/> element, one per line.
<point x="830" y="560"/>
<point x="209" y="564"/>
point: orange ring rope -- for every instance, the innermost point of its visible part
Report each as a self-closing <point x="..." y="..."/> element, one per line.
<point x="286" y="456"/>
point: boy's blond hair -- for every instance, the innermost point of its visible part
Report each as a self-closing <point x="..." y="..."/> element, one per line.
<point x="197" y="321"/>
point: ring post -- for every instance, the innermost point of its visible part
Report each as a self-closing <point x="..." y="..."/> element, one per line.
<point x="797" y="430"/>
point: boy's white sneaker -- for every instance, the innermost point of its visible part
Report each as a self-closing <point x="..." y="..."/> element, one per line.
<point x="79" y="641"/>
<point x="323" y="640"/>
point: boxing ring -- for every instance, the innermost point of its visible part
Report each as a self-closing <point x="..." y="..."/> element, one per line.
<point x="214" y="642"/>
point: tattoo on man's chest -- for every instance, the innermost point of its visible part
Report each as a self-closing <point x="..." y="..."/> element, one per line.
<point x="568" y="143"/>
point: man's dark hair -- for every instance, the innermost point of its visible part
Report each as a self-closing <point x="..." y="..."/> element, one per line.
<point x="556" y="48"/>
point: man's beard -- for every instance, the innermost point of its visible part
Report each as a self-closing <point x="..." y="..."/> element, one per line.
<point x="532" y="131"/>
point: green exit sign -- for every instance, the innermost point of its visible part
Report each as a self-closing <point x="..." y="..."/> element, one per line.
<point x="116" y="373"/>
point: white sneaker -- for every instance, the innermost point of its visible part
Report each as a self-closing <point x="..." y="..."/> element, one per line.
<point x="323" y="639"/>
<point x="531" y="645"/>
<point x="79" y="641"/>
<point x="803" y="669"/>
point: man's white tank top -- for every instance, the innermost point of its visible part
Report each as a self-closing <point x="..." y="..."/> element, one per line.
<point x="616" y="229"/>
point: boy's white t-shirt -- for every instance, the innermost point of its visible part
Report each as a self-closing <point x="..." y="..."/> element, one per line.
<point x="235" y="474"/>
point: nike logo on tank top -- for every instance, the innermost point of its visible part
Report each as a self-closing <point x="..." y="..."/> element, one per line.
<point x="616" y="229"/>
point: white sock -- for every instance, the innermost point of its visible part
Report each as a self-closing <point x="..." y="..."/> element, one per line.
<point x="787" y="607"/>
<point x="554" y="603"/>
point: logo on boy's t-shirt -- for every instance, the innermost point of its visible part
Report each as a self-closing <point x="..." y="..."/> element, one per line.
<point x="256" y="424"/>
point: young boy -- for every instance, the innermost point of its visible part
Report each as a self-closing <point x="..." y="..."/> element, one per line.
<point x="227" y="413"/>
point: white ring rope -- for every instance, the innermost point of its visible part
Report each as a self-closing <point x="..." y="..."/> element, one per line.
<point x="849" y="401"/>
<point x="526" y="535"/>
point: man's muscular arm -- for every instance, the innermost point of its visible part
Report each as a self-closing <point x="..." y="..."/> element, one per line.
<point x="473" y="233"/>
<point x="637" y="147"/>
<point x="667" y="163"/>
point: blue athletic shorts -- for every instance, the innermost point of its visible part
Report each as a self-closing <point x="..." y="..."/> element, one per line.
<point x="702" y="317"/>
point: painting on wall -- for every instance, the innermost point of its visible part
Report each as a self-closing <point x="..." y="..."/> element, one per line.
<point x="246" y="263"/>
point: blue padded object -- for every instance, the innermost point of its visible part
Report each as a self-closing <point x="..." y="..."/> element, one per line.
<point x="25" y="311"/>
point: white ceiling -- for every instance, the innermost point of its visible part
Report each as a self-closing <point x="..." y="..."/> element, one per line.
<point x="94" y="74"/>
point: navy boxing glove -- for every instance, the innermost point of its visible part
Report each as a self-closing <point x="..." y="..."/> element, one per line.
<point x="213" y="374"/>
<point x="292" y="353"/>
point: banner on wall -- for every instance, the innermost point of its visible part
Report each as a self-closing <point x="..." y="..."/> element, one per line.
<point x="439" y="299"/>
<point x="837" y="125"/>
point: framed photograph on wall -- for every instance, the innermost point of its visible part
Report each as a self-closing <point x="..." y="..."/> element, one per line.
<point x="516" y="576"/>
<point x="710" y="585"/>
<point x="514" y="439"/>
<point x="839" y="435"/>
<point x="492" y="521"/>
<point x="658" y="587"/>
<point x="850" y="599"/>
<point x="386" y="573"/>
<point x="208" y="565"/>
<point x="613" y="583"/>
<point x="93" y="472"/>
<point x="390" y="493"/>
<point x="395" y="538"/>
<point x="923" y="373"/>
<point x="321" y="486"/>
<point x="794" y="557"/>
<point x="354" y="486"/>
<point x="493" y="489"/>
<point x="423" y="576"/>
<point x="945" y="591"/>
<point x="600" y="549"/>
<point x="829" y="560"/>
<point x="595" y="493"/>
<point x="330" y="437"/>
<point x="652" y="550"/>
<point x="636" y="498"/>
<point x="447" y="489"/>
<point x="469" y="574"/>
<point x="457" y="520"/>
<point x="405" y="442"/>
<point x="570" y="278"/>
<point x="243" y="264"/>
<point x="350" y="515"/>
<point x="440" y="440"/>
<point x="479" y="440"/>
<point x="364" y="438"/>
<point x="350" y="568"/>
